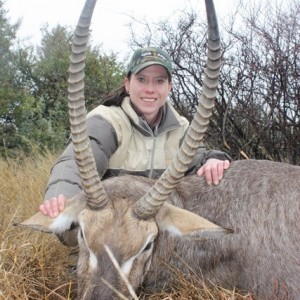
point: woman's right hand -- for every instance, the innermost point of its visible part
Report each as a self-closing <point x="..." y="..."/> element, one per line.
<point x="53" y="207"/>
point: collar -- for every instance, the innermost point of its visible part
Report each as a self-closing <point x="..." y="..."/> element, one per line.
<point x="169" y="119"/>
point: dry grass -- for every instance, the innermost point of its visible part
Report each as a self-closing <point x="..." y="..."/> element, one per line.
<point x="32" y="265"/>
<point x="192" y="287"/>
<point x="35" y="265"/>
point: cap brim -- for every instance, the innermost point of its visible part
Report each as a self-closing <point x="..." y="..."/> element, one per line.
<point x="147" y="64"/>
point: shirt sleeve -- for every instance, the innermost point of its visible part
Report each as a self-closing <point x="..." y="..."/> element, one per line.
<point x="202" y="156"/>
<point x="65" y="178"/>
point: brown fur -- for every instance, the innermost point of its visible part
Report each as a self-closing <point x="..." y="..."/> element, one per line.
<point x="260" y="200"/>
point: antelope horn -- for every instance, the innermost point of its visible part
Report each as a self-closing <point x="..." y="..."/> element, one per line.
<point x="96" y="195"/>
<point x="148" y="205"/>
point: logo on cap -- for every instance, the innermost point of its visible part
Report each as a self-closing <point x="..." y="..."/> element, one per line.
<point x="145" y="57"/>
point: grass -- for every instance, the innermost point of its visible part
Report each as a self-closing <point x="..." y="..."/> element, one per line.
<point x="35" y="265"/>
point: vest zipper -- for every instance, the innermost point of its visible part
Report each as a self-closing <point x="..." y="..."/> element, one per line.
<point x="152" y="157"/>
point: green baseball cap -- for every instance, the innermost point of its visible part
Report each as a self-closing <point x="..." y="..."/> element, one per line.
<point x="145" y="57"/>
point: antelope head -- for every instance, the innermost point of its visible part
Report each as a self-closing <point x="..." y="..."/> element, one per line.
<point x="118" y="220"/>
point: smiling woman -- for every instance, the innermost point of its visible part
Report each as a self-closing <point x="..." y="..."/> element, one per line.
<point x="149" y="84"/>
<point x="136" y="132"/>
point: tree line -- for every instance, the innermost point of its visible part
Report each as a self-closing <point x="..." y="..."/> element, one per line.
<point x="257" y="112"/>
<point x="33" y="87"/>
<point x="258" y="107"/>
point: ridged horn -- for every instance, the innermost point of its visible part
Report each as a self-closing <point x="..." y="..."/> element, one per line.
<point x="149" y="204"/>
<point x="96" y="195"/>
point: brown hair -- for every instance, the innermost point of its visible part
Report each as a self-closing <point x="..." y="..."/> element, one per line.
<point x="115" y="97"/>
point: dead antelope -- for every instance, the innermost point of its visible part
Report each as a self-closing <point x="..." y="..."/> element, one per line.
<point x="144" y="223"/>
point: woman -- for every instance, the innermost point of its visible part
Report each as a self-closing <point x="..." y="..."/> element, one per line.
<point x="135" y="131"/>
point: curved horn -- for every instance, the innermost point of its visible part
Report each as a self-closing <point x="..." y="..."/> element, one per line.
<point x="149" y="205"/>
<point x="96" y="195"/>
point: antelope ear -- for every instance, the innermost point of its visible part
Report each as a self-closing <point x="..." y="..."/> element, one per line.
<point x="62" y="222"/>
<point x="180" y="222"/>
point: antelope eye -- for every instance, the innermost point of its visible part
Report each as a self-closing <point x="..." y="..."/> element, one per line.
<point x="148" y="246"/>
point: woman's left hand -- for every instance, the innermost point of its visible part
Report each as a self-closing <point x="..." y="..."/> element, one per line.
<point x="213" y="170"/>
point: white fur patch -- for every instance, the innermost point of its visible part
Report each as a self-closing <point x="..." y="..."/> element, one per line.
<point x="126" y="267"/>
<point x="93" y="260"/>
<point x="173" y="230"/>
<point x="61" y="223"/>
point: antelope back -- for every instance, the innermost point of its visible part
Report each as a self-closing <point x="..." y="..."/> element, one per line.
<point x="260" y="201"/>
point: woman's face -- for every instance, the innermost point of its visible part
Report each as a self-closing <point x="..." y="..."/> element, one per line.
<point x="149" y="90"/>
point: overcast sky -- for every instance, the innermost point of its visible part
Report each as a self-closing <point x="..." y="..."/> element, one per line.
<point x="109" y="19"/>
